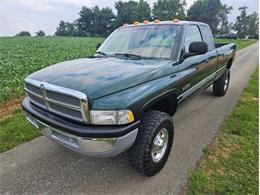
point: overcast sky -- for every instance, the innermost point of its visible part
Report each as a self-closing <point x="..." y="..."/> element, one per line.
<point x="34" y="15"/>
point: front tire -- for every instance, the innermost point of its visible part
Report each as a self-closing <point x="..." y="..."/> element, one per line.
<point x="153" y="144"/>
<point x="220" y="86"/>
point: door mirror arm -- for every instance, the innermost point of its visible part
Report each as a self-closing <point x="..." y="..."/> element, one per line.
<point x="185" y="55"/>
<point x="188" y="54"/>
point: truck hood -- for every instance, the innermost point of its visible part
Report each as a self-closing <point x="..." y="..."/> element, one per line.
<point x="97" y="77"/>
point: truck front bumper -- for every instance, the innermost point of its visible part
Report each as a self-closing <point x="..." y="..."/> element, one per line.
<point x="86" y="143"/>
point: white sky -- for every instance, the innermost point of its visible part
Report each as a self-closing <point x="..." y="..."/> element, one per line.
<point x="35" y="15"/>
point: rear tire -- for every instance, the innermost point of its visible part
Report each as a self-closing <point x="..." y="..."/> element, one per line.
<point x="153" y="144"/>
<point x="220" y="86"/>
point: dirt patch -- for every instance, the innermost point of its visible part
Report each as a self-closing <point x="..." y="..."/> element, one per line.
<point x="8" y="107"/>
<point x="254" y="98"/>
<point x="249" y="98"/>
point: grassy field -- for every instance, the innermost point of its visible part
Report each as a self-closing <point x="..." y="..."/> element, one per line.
<point x="241" y="43"/>
<point x="230" y="165"/>
<point x="14" y="130"/>
<point x="20" y="56"/>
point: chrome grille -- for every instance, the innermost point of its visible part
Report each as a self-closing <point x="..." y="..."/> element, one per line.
<point x="59" y="100"/>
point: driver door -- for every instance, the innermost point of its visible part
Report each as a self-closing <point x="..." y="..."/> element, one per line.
<point x="193" y="69"/>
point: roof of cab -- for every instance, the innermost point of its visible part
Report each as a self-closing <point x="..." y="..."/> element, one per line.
<point x="158" y="22"/>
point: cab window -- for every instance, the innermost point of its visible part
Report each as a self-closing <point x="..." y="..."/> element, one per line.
<point x="192" y="35"/>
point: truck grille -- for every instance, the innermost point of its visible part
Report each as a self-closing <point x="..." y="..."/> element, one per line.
<point x="59" y="100"/>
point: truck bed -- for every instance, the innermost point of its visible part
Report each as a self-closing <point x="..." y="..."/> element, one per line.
<point x="231" y="45"/>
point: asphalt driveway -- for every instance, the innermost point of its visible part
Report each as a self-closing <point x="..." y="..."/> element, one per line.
<point x="41" y="166"/>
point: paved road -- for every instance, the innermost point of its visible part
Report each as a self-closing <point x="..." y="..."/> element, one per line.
<point x="41" y="166"/>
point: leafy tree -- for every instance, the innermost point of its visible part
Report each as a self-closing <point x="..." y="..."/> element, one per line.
<point x="40" y="33"/>
<point x="142" y="11"/>
<point x="196" y="11"/>
<point x="169" y="9"/>
<point x="225" y="27"/>
<point x="102" y="21"/>
<point x="253" y="23"/>
<point x="85" y="21"/>
<point x="94" y="21"/>
<point x="131" y="11"/>
<point x="125" y="12"/>
<point x="212" y="12"/>
<point x="61" y="29"/>
<point x="246" y="25"/>
<point x="23" y="33"/>
<point x="241" y="25"/>
<point x="65" y="29"/>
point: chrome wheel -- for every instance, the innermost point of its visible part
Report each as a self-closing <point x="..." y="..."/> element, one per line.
<point x="226" y="84"/>
<point x="159" y="146"/>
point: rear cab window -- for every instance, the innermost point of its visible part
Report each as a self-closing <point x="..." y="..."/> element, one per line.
<point x="207" y="37"/>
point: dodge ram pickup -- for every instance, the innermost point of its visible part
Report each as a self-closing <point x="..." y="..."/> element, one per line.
<point x="123" y="97"/>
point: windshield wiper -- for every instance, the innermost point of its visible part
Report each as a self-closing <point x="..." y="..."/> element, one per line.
<point x="101" y="52"/>
<point x="128" y="55"/>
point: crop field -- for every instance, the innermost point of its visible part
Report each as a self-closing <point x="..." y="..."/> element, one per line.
<point x="20" y="56"/>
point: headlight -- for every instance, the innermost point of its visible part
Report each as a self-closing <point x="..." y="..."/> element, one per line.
<point x="115" y="117"/>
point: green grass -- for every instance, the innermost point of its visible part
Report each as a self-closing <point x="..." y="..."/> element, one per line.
<point x="230" y="164"/>
<point x="241" y="43"/>
<point x="20" y="56"/>
<point x="15" y="130"/>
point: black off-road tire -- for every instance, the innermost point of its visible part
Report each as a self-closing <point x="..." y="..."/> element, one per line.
<point x="139" y="154"/>
<point x="220" y="86"/>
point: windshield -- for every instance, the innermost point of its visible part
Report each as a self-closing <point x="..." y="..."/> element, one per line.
<point x="151" y="41"/>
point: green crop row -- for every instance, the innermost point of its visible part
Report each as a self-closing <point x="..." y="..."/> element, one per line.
<point x="20" y="56"/>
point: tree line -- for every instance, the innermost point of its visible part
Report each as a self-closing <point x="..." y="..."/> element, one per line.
<point x="39" y="33"/>
<point x="101" y="22"/>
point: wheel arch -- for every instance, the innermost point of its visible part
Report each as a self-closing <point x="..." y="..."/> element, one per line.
<point x="229" y="63"/>
<point x="166" y="103"/>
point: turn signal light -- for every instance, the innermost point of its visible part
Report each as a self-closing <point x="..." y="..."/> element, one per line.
<point x="145" y="22"/>
<point x="131" y="117"/>
<point x="176" y="20"/>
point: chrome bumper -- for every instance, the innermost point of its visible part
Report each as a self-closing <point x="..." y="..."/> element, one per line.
<point x="99" y="147"/>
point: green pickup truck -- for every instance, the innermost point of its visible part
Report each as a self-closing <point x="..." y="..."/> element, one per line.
<point x="124" y="97"/>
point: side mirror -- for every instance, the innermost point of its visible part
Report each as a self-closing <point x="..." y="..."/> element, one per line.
<point x="198" y="47"/>
<point x="98" y="45"/>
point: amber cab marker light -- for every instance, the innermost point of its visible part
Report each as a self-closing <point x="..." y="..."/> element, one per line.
<point x="156" y="21"/>
<point x="176" y="20"/>
<point x="125" y="24"/>
<point x="145" y="22"/>
<point x="136" y="23"/>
